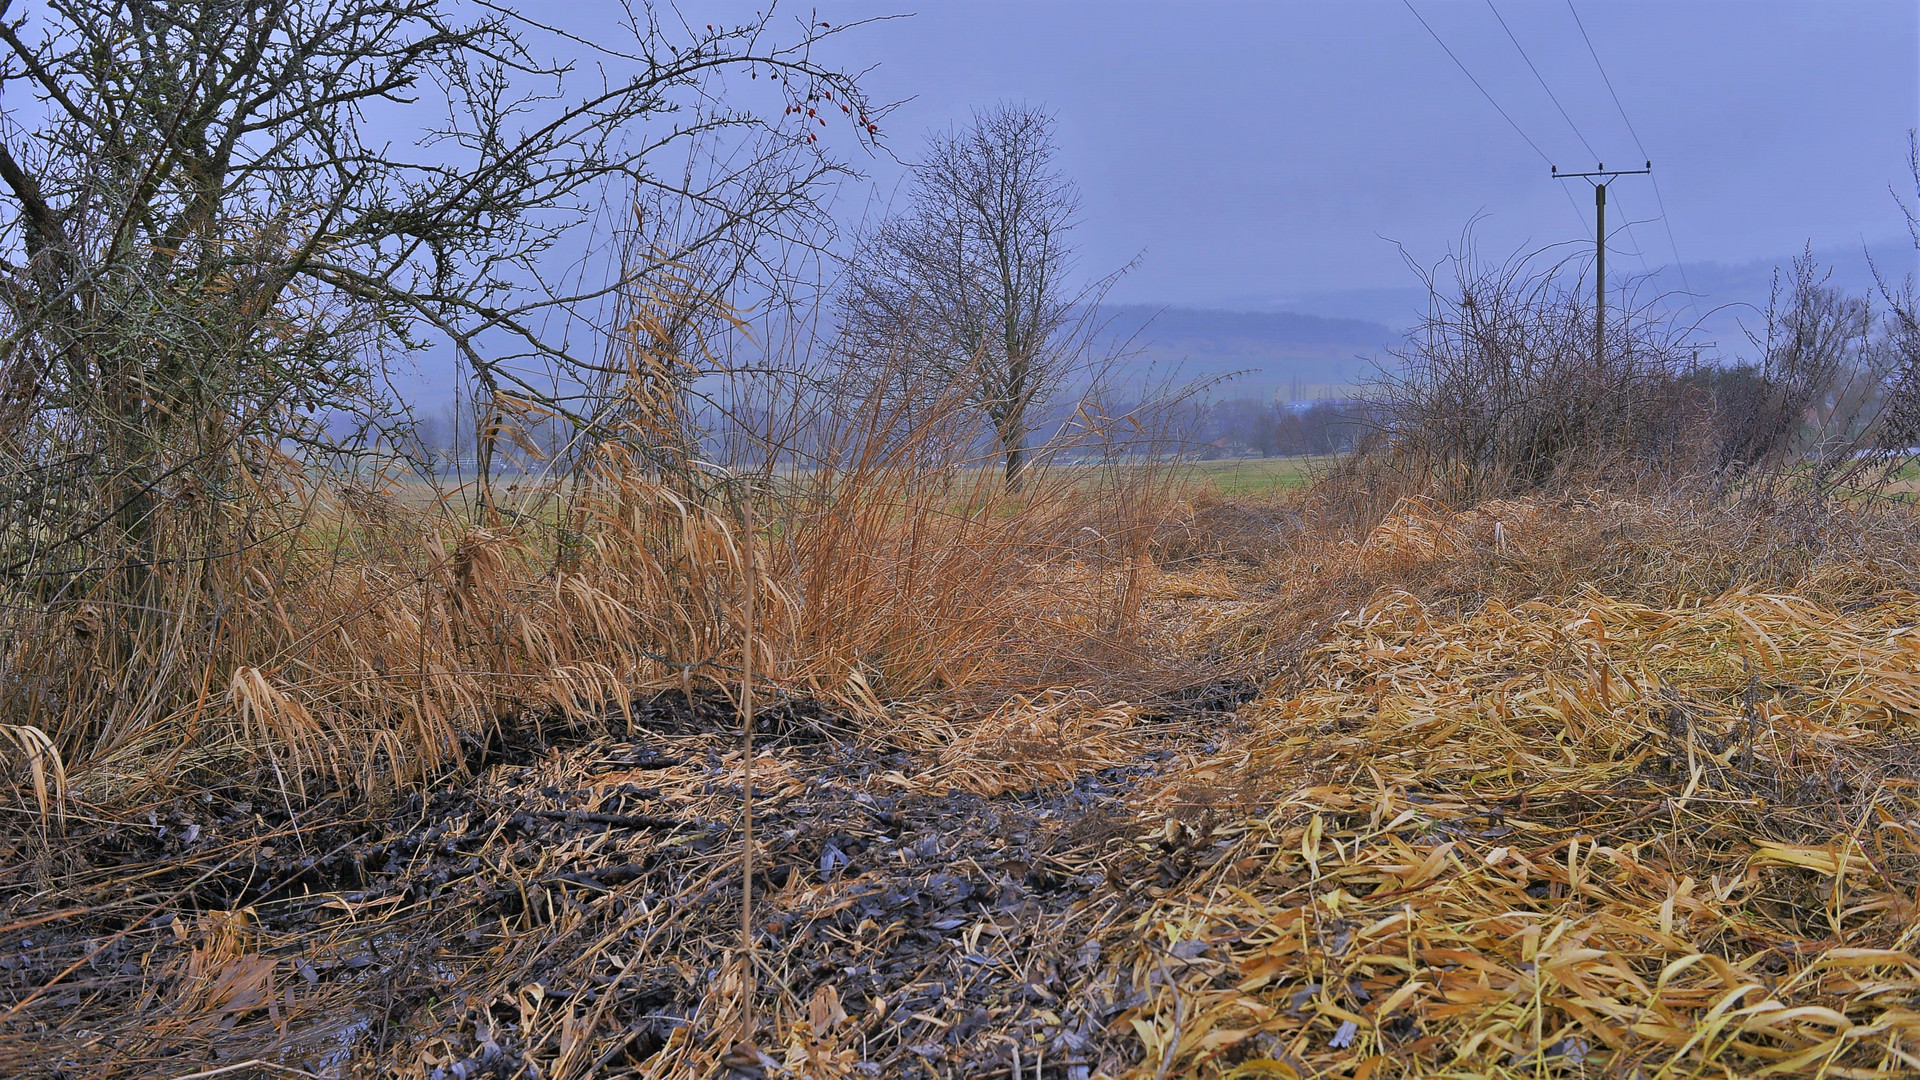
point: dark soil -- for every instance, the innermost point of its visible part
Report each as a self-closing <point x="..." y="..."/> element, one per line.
<point x="583" y="881"/>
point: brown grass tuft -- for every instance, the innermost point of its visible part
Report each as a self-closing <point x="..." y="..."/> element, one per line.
<point x="44" y="768"/>
<point x="1581" y="835"/>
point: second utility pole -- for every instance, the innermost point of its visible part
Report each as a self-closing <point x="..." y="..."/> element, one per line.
<point x="1600" y="246"/>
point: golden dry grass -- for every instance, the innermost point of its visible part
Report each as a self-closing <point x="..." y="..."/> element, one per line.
<point x="1589" y="786"/>
<point x="1578" y="835"/>
<point x="373" y="641"/>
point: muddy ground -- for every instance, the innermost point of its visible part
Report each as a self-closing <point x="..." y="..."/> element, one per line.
<point x="571" y="906"/>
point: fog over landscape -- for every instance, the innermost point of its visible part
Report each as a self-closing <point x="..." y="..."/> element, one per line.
<point x="1042" y="540"/>
<point x="1295" y="158"/>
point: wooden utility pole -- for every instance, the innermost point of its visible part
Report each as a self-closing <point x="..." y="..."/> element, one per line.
<point x="1600" y="244"/>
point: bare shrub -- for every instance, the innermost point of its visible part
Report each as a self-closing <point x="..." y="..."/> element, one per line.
<point x="1499" y="393"/>
<point x="1498" y="390"/>
<point x="1900" y="415"/>
<point x="212" y="271"/>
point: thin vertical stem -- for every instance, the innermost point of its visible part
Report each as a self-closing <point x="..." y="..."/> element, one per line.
<point x="746" y="739"/>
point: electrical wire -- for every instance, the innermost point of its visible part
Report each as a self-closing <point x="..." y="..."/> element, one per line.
<point x="1490" y="100"/>
<point x="1638" y="249"/>
<point x="1476" y="84"/>
<point x="1591" y="51"/>
<point x="1626" y="224"/>
<point x="1659" y="199"/>
<point x="1551" y="96"/>
<point x="1661" y="202"/>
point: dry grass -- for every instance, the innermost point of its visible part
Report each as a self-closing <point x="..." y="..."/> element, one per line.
<point x="45" y="770"/>
<point x="1578" y="786"/>
<point x="1591" y="835"/>
<point x="1575" y="835"/>
<point x="1661" y="549"/>
<point x="375" y="643"/>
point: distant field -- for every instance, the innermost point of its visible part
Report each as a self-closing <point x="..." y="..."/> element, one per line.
<point x="1261" y="476"/>
<point x="1233" y="478"/>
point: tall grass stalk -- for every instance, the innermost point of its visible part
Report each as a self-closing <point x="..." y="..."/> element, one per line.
<point x="365" y="638"/>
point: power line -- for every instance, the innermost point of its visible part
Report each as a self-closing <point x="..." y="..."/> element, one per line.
<point x="1681" y="266"/>
<point x="1551" y="96"/>
<point x="1626" y="224"/>
<point x="1603" y="78"/>
<point x="1564" y="115"/>
<point x="1483" y="93"/>
<point x="1666" y="219"/>
<point x="1476" y="84"/>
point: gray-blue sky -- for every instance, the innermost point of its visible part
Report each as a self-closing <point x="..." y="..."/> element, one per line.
<point x="1264" y="149"/>
<point x="1266" y="153"/>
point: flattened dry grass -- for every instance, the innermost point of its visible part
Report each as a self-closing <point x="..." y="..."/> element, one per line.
<point x="1578" y="835"/>
<point x="1577" y="787"/>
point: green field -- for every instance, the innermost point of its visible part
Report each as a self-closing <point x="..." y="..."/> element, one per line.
<point x="1255" y="477"/>
<point x="1233" y="478"/>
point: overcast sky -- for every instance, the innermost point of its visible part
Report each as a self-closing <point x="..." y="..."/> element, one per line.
<point x="1265" y="154"/>
<point x="1265" y="148"/>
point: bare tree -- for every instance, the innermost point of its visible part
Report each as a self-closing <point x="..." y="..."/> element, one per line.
<point x="972" y="280"/>
<point x="209" y="253"/>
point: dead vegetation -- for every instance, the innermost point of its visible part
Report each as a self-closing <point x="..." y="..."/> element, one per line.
<point x="1554" y="786"/>
<point x="1098" y="777"/>
<point x="334" y="808"/>
<point x="1531" y="762"/>
<point x="1572" y="834"/>
<point x="794" y="714"/>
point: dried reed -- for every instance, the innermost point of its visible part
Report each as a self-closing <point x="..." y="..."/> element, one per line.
<point x="1560" y="836"/>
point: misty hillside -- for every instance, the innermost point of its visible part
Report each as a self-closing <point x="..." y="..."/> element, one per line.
<point x="1729" y="300"/>
<point x="1725" y="298"/>
<point x="1275" y="351"/>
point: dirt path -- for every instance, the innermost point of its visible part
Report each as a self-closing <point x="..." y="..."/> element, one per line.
<point x="573" y="910"/>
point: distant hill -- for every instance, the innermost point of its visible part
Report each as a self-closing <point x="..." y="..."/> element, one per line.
<point x="1397" y="308"/>
<point x="1280" y="352"/>
<point x="1727" y="299"/>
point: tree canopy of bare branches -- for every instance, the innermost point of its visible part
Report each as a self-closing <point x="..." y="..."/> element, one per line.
<point x="972" y="280"/>
<point x="224" y="222"/>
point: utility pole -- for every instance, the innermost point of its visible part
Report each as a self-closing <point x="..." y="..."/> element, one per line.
<point x="1600" y="244"/>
